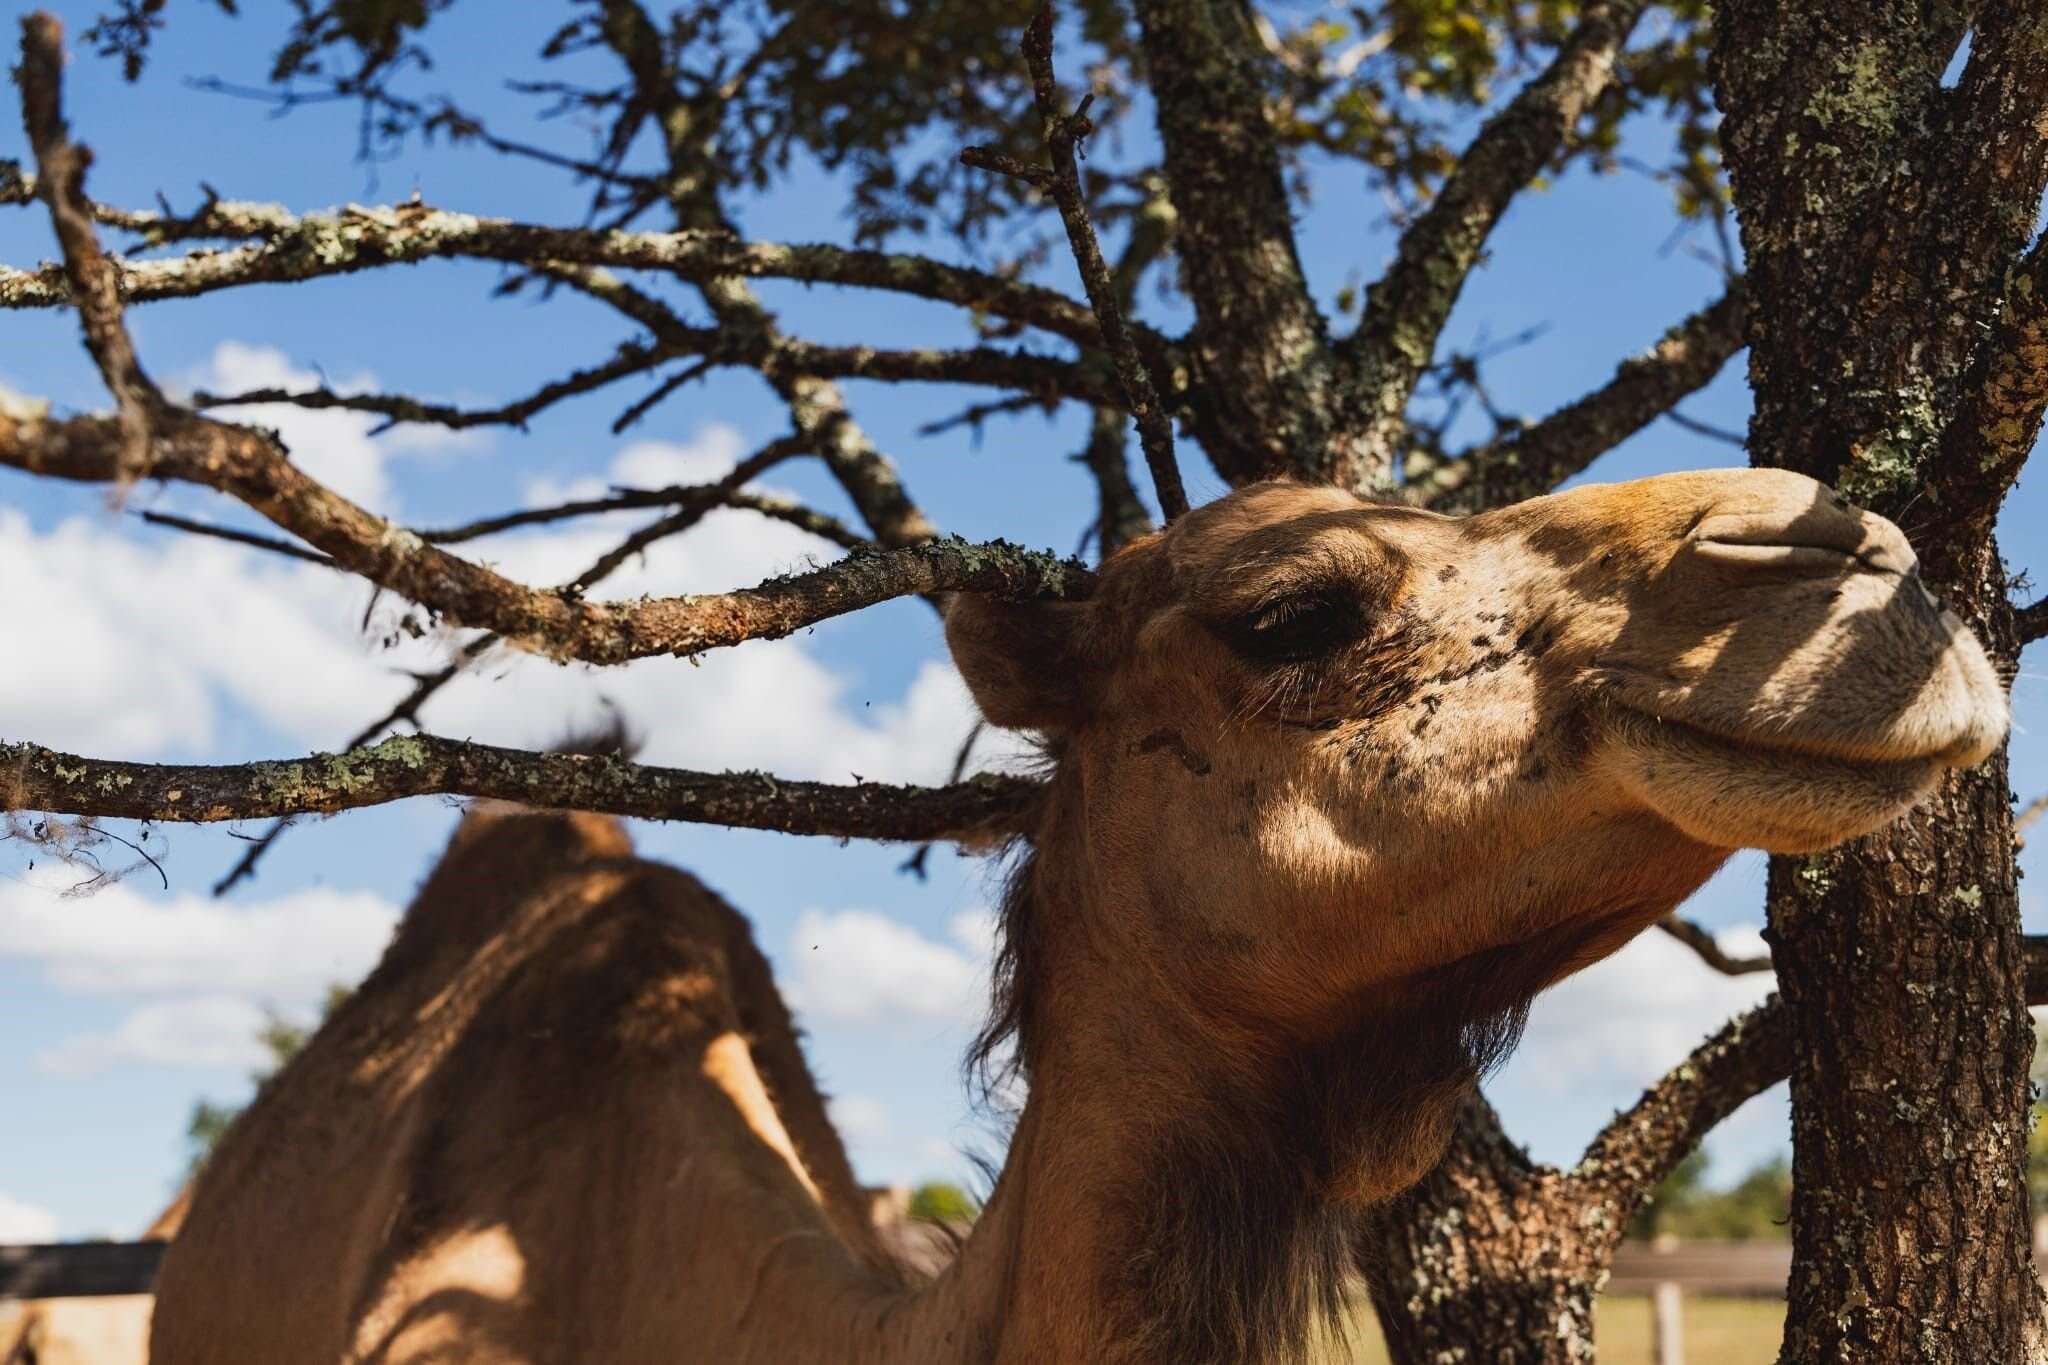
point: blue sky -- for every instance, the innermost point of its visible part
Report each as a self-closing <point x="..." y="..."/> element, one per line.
<point x="119" y="1009"/>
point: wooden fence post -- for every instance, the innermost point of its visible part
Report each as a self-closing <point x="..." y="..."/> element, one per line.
<point x="1668" y="1311"/>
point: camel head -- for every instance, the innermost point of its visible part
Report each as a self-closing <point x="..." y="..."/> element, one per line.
<point x="1318" y="756"/>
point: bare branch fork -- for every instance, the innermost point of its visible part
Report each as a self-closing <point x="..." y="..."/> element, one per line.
<point x="1407" y="307"/>
<point x="1750" y="1054"/>
<point x="1534" y="459"/>
<point x="1063" y="136"/>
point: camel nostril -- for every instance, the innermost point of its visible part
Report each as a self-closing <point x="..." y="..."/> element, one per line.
<point x="1804" y="543"/>
<point x="1818" y="559"/>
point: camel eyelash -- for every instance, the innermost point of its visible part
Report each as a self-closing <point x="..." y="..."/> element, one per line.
<point x="1298" y="627"/>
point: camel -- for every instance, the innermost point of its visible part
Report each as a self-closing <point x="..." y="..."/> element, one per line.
<point x="1334" y="788"/>
<point x="110" y="1329"/>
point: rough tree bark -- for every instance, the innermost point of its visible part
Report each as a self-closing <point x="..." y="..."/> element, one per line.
<point x="1884" y="215"/>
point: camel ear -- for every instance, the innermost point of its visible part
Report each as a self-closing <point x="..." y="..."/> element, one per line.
<point x="1025" y="662"/>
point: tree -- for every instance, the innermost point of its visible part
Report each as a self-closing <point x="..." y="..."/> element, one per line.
<point x="1896" y="318"/>
<point x="942" y="1203"/>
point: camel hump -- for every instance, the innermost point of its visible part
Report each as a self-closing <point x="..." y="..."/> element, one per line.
<point x="569" y="1070"/>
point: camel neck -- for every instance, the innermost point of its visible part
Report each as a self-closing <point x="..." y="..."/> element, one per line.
<point x="1167" y="1197"/>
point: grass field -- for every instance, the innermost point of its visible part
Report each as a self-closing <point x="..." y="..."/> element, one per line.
<point x="1717" y="1332"/>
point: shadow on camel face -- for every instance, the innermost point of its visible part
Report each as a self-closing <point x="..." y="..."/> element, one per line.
<point x="1320" y="743"/>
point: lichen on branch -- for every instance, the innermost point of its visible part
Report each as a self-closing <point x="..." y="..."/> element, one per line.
<point x="252" y="466"/>
<point x="40" y="779"/>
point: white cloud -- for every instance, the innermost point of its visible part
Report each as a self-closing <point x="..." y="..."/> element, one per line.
<point x="120" y="646"/>
<point x="707" y="456"/>
<point x="858" y="1118"/>
<point x="21" y="1221"/>
<point x="202" y="1030"/>
<point x="204" y="971"/>
<point x="333" y="445"/>
<point x="859" y="967"/>
<point x="1625" y="1021"/>
<point x="119" y="942"/>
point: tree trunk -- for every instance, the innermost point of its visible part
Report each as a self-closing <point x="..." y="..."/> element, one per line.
<point x="1900" y="960"/>
<point x="1486" y="1260"/>
<point x="1883" y="214"/>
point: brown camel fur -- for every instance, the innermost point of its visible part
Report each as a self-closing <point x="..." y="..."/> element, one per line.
<point x="1335" y="789"/>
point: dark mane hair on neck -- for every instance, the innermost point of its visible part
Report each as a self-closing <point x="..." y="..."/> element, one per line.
<point x="1003" y="1048"/>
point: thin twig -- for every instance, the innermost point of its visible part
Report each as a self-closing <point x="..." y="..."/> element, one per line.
<point x="975" y="414"/>
<point x="1063" y="134"/>
<point x="1707" y="429"/>
<point x="746" y="471"/>
<point x="270" y="543"/>
<point x="630" y="359"/>
<point x="915" y="863"/>
<point x="1702" y="942"/>
<point x="641" y="407"/>
<point x="407" y="711"/>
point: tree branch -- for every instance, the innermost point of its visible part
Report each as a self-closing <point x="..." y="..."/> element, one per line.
<point x="89" y="276"/>
<point x="1406" y="308"/>
<point x="1261" y="346"/>
<point x="1750" y="1054"/>
<point x="35" y="778"/>
<point x="1702" y="943"/>
<point x="1120" y="515"/>
<point x="2026" y="818"/>
<point x="252" y="467"/>
<point x="1063" y="133"/>
<point x="1537" y="458"/>
<point x="2033" y="621"/>
<point x="630" y="359"/>
<point x="1998" y="417"/>
<point x="287" y="248"/>
<point x="1642" y="1145"/>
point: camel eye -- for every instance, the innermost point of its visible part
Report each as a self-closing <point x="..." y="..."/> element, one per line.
<point x="1299" y="627"/>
